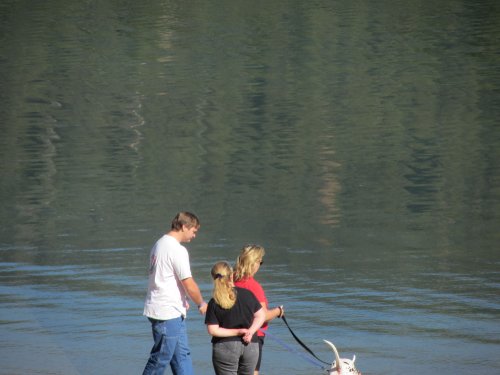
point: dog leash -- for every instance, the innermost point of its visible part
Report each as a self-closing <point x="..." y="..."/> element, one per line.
<point x="301" y="343"/>
<point x="286" y="346"/>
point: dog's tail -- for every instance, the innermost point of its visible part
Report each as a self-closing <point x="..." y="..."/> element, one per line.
<point x="336" y="364"/>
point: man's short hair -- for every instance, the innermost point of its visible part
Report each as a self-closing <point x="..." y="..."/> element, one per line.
<point x="185" y="218"/>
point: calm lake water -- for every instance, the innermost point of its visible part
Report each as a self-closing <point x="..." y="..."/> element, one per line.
<point x="357" y="141"/>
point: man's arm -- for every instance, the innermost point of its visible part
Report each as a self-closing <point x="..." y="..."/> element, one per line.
<point x="194" y="293"/>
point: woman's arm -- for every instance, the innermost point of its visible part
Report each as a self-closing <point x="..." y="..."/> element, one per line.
<point x="259" y="317"/>
<point x="217" y="331"/>
<point x="272" y="313"/>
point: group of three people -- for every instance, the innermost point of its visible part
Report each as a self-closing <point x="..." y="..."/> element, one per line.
<point x="236" y="315"/>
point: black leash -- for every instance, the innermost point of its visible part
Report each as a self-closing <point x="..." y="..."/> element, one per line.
<point x="302" y="344"/>
<point x="296" y="351"/>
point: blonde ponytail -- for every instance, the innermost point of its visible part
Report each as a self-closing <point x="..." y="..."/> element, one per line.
<point x="224" y="293"/>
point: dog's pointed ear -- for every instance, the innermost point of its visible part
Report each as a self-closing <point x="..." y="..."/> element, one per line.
<point x="338" y="366"/>
<point x="353" y="358"/>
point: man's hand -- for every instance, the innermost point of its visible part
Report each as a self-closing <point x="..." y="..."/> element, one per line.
<point x="202" y="308"/>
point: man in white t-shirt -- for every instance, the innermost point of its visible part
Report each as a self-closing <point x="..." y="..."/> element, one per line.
<point x="170" y="283"/>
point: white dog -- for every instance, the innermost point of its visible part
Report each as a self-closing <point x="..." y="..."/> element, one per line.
<point x="342" y="366"/>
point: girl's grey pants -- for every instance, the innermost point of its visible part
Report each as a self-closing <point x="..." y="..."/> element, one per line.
<point x="235" y="357"/>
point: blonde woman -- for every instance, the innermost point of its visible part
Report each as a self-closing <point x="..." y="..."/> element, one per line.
<point x="247" y="265"/>
<point x="233" y="317"/>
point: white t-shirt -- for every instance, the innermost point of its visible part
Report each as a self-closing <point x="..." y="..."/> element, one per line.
<point x="169" y="264"/>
